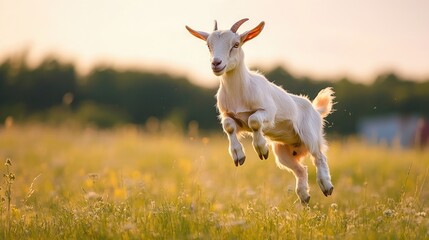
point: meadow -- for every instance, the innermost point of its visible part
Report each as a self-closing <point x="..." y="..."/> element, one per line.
<point x="68" y="182"/>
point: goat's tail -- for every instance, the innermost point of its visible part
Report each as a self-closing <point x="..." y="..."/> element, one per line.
<point x="324" y="101"/>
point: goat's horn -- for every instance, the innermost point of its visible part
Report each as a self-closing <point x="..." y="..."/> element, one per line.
<point x="236" y="25"/>
<point x="215" y="26"/>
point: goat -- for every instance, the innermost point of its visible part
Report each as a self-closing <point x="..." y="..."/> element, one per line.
<point x="248" y="102"/>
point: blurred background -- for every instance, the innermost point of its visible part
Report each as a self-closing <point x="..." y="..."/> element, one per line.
<point x="112" y="63"/>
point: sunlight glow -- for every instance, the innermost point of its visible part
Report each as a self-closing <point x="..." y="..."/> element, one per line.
<point x="321" y="39"/>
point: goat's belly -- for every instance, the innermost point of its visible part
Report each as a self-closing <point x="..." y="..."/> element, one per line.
<point x="283" y="132"/>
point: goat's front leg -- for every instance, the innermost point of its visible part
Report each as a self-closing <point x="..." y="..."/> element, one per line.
<point x="235" y="147"/>
<point x="256" y="123"/>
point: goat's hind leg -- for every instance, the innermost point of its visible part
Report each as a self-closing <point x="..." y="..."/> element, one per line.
<point x="322" y="172"/>
<point x="288" y="158"/>
<point x="235" y="148"/>
<point x="311" y="135"/>
<point x="316" y="149"/>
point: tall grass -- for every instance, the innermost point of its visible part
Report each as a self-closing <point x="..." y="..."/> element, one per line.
<point x="73" y="183"/>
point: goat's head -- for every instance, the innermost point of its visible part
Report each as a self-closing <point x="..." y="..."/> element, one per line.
<point x="225" y="45"/>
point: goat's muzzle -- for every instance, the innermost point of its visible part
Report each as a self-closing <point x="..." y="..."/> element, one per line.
<point x="216" y="62"/>
<point x="217" y="66"/>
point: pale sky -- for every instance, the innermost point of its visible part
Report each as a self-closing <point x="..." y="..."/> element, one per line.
<point x="328" y="38"/>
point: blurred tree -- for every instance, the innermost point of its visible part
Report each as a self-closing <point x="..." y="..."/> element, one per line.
<point x="36" y="89"/>
<point x="144" y="95"/>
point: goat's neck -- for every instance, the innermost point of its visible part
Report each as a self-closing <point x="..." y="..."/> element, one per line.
<point x="236" y="80"/>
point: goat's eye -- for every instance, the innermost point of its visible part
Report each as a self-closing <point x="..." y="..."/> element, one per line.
<point x="209" y="47"/>
<point x="236" y="45"/>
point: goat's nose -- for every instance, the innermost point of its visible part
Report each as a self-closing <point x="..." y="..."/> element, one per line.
<point x="216" y="62"/>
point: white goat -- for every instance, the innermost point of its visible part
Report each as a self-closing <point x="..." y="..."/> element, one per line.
<point x="248" y="102"/>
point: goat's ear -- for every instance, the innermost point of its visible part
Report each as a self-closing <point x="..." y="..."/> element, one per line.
<point x="199" y="34"/>
<point x="246" y="36"/>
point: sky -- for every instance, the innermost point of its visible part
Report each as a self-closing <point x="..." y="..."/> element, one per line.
<point x="321" y="39"/>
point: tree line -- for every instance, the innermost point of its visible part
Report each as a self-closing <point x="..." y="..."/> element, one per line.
<point x="53" y="91"/>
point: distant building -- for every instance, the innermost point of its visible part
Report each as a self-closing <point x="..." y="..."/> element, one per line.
<point x="395" y="130"/>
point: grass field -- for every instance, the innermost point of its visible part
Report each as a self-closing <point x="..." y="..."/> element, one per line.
<point x="72" y="183"/>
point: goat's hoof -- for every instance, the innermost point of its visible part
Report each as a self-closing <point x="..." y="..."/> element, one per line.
<point x="237" y="154"/>
<point x="326" y="187"/>
<point x="328" y="192"/>
<point x="305" y="201"/>
<point x="240" y="161"/>
<point x="303" y="195"/>
<point x="266" y="155"/>
<point x="263" y="156"/>
<point x="260" y="151"/>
